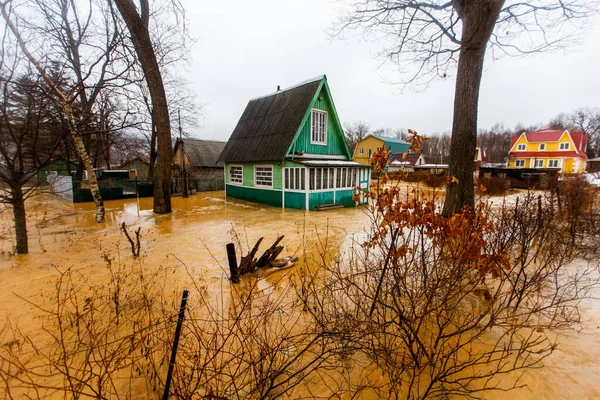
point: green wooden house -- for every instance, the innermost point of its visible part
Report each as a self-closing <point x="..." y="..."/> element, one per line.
<point x="288" y="150"/>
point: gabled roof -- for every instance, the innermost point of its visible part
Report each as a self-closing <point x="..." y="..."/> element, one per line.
<point x="269" y="124"/>
<point x="411" y="159"/>
<point x="202" y="153"/>
<point x="395" y="145"/>
<point x="553" y="135"/>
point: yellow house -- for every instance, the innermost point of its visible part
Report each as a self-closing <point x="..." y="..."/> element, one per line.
<point x="371" y="144"/>
<point x="549" y="148"/>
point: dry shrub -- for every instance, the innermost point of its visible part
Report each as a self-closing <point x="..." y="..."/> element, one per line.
<point x="494" y="186"/>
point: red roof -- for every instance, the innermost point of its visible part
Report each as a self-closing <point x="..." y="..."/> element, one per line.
<point x="553" y="135"/>
<point x="411" y="158"/>
<point x="554" y="154"/>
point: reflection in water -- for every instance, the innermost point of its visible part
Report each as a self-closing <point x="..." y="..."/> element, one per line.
<point x="192" y="240"/>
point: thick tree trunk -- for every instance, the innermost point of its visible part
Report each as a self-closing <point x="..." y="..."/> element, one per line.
<point x="18" y="203"/>
<point x="140" y="36"/>
<point x="479" y="18"/>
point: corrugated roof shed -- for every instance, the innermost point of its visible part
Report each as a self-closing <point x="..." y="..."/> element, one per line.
<point x="269" y="124"/>
<point x="202" y="153"/>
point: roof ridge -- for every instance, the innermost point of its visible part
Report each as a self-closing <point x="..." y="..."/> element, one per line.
<point x="311" y="80"/>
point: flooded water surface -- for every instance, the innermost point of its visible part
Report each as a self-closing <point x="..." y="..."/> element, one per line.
<point x="191" y="241"/>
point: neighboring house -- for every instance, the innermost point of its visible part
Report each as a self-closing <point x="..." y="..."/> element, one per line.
<point x="593" y="165"/>
<point x="139" y="165"/>
<point x="200" y="159"/>
<point x="371" y="144"/>
<point x="288" y="150"/>
<point x="407" y="164"/>
<point x="549" y="148"/>
<point x="57" y="167"/>
<point x="481" y="157"/>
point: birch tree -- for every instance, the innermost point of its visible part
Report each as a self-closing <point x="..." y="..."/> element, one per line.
<point x="66" y="100"/>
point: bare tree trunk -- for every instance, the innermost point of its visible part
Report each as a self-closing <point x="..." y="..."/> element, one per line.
<point x="138" y="28"/>
<point x="85" y="159"/>
<point x="18" y="203"/>
<point x="478" y="18"/>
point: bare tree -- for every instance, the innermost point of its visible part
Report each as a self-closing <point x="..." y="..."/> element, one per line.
<point x="66" y="100"/>
<point x="426" y="38"/>
<point x="31" y="130"/>
<point x="587" y="119"/>
<point x="137" y="22"/>
<point x="354" y="133"/>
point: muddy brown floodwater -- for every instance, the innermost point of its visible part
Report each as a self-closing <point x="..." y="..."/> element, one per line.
<point x="63" y="234"/>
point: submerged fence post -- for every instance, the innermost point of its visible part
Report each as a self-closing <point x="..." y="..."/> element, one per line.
<point x="233" y="266"/>
<point x="184" y="298"/>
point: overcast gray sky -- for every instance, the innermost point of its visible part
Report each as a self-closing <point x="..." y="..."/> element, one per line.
<point x="245" y="49"/>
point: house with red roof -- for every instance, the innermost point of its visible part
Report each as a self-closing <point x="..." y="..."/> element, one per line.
<point x="549" y="148"/>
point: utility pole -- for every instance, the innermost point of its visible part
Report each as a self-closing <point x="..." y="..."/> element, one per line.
<point x="184" y="181"/>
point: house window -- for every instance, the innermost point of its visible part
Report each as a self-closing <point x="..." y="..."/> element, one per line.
<point x="295" y="178"/>
<point x="539" y="163"/>
<point x="519" y="163"/>
<point x="552" y="163"/>
<point x="263" y="176"/>
<point x="542" y="146"/>
<point x="564" y="146"/>
<point x="369" y="153"/>
<point x="521" y="147"/>
<point x="318" y="127"/>
<point x="236" y="174"/>
<point x="361" y="151"/>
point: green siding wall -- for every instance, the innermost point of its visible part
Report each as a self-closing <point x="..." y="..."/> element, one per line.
<point x="248" y="178"/>
<point x="319" y="198"/>
<point x="295" y="200"/>
<point x="263" y="196"/>
<point x="345" y="197"/>
<point x="335" y="137"/>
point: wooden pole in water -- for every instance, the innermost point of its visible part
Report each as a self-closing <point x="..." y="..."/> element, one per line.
<point x="184" y="299"/>
<point x="233" y="267"/>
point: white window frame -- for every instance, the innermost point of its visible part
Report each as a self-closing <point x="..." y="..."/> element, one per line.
<point x="542" y="146"/>
<point x="550" y="162"/>
<point x="318" y="128"/>
<point x="517" y="162"/>
<point x="361" y="151"/>
<point x="231" y="181"/>
<point x="565" y="146"/>
<point x="256" y="184"/>
<point x="521" y="147"/>
<point x="293" y="175"/>
<point x="539" y="164"/>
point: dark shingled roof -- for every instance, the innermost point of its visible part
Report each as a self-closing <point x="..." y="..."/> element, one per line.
<point x="269" y="124"/>
<point x="202" y="153"/>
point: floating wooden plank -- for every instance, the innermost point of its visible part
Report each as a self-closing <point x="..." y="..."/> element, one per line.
<point x="270" y="254"/>
<point x="248" y="263"/>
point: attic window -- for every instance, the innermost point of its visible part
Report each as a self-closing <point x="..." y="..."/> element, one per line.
<point x="542" y="146"/>
<point x="318" y="127"/>
<point x="564" y="146"/>
<point x="521" y="147"/>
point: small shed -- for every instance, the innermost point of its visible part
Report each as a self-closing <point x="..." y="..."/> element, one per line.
<point x="200" y="157"/>
<point x="407" y="164"/>
<point x="138" y="164"/>
<point x="593" y="165"/>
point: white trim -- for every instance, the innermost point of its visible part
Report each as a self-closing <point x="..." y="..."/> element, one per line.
<point x="553" y="160"/>
<point x="540" y="146"/>
<point x="512" y="149"/>
<point x="272" y="176"/>
<point x="522" y="149"/>
<point x="361" y="151"/>
<point x="326" y="116"/>
<point x="560" y="145"/>
<point x="229" y="174"/>
<point x="282" y="186"/>
<point x="321" y="156"/>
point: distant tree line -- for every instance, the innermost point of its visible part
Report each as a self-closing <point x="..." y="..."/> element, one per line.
<point x="495" y="139"/>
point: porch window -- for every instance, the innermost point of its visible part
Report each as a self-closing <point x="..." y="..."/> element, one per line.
<point x="539" y="163"/>
<point x="564" y="146"/>
<point x="295" y="178"/>
<point x="521" y="147"/>
<point x="236" y="174"/>
<point x="263" y="176"/>
<point x="318" y="127"/>
<point x="552" y="163"/>
<point x="519" y="163"/>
